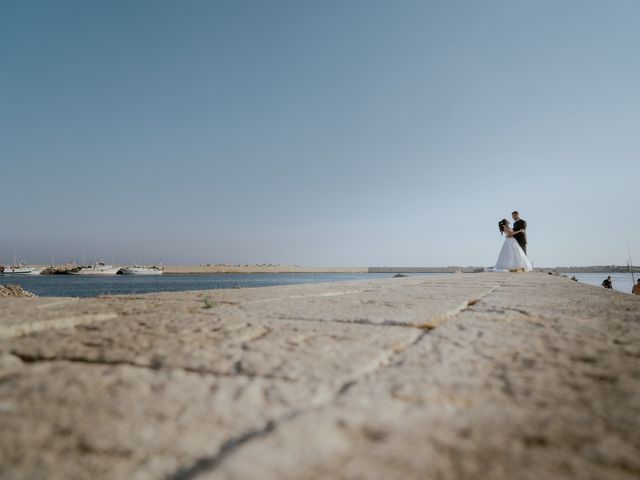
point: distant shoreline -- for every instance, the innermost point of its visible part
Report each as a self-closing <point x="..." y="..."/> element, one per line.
<point x="455" y="269"/>
<point x="247" y="268"/>
<point x="274" y="269"/>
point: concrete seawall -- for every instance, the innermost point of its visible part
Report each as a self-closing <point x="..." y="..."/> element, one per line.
<point x="479" y="376"/>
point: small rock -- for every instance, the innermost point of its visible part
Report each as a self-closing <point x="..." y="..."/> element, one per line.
<point x="14" y="291"/>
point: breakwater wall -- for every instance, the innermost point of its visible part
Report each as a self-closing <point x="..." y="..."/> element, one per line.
<point x="492" y="376"/>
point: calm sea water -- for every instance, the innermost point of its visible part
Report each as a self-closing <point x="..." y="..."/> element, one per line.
<point x="621" y="281"/>
<point x="91" y="286"/>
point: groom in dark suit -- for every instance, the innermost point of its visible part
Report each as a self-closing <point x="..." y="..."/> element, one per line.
<point x="519" y="233"/>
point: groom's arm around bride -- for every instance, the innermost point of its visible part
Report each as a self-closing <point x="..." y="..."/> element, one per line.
<point x="519" y="233"/>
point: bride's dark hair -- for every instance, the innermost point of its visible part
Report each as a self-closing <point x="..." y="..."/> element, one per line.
<point x="501" y="224"/>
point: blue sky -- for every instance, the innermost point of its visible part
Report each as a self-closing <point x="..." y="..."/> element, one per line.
<point x="319" y="133"/>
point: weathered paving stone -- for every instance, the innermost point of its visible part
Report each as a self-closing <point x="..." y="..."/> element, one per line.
<point x="415" y="301"/>
<point x="484" y="376"/>
<point x="219" y="345"/>
<point x="22" y="315"/>
<point x="496" y="392"/>
<point x="62" y="420"/>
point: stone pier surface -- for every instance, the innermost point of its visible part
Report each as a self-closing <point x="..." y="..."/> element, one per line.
<point x="468" y="376"/>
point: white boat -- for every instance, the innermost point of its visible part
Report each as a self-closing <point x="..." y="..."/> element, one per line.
<point x="141" y="270"/>
<point x="19" y="269"/>
<point x="98" y="268"/>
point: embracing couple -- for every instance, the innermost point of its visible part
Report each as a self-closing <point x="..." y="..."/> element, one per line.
<point x="513" y="256"/>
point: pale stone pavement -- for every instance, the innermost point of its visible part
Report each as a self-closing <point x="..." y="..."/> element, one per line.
<point x="474" y="376"/>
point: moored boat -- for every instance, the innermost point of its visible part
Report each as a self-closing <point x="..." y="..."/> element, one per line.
<point x="20" y="269"/>
<point x="98" y="268"/>
<point x="142" y="270"/>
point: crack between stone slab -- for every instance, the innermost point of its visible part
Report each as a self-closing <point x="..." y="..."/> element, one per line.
<point x="432" y="323"/>
<point x="208" y="463"/>
<point x="488" y="308"/>
<point x="199" y="298"/>
<point x="510" y="309"/>
<point x="359" y="321"/>
<point x="441" y="319"/>
<point x="26" y="358"/>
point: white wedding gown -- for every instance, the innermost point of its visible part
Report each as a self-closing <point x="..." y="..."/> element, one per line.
<point x="512" y="257"/>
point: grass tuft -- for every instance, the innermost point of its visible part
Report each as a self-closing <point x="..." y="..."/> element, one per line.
<point x="208" y="303"/>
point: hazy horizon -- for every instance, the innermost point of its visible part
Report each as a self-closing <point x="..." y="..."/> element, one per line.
<point x="360" y="133"/>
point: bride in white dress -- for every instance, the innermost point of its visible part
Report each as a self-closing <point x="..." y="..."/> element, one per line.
<point x="512" y="257"/>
